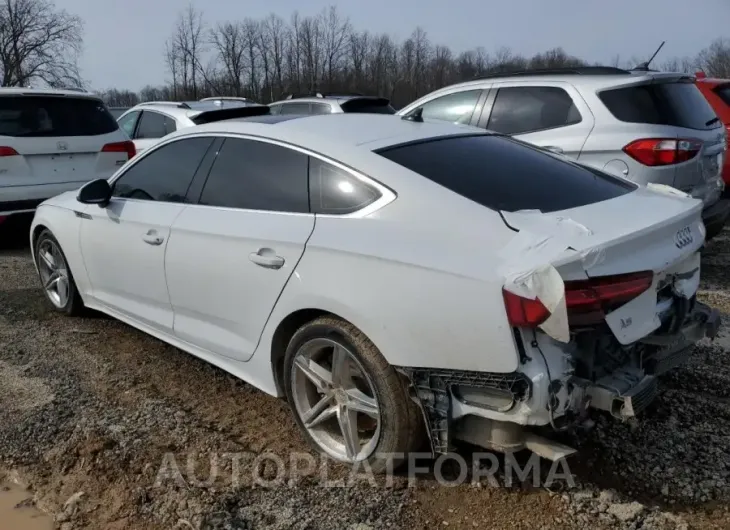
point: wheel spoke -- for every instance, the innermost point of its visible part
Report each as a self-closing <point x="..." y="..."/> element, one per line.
<point x="340" y="367"/>
<point x="320" y="412"/>
<point x="348" y="425"/>
<point x="62" y="289"/>
<point x="360" y="402"/>
<point x="48" y="260"/>
<point x="52" y="280"/>
<point x="318" y="375"/>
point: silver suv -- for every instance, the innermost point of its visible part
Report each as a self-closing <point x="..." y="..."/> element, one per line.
<point x="643" y="125"/>
<point x="325" y="103"/>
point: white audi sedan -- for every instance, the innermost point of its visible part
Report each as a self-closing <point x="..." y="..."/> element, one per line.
<point x="400" y="281"/>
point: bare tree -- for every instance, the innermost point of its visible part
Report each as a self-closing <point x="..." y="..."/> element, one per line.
<point x="228" y="41"/>
<point x="39" y="43"/>
<point x="335" y="31"/>
<point x="715" y="59"/>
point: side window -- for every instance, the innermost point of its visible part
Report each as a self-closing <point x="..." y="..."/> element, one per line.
<point x="129" y="122"/>
<point x="257" y="176"/>
<point x="170" y="125"/>
<point x="321" y="108"/>
<point x="532" y="108"/>
<point x="151" y="125"/>
<point x="165" y="173"/>
<point x="275" y="109"/>
<point x="295" y="108"/>
<point x="455" y="108"/>
<point x="334" y="191"/>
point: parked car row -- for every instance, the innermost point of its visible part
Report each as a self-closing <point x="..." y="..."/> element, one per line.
<point x="404" y="280"/>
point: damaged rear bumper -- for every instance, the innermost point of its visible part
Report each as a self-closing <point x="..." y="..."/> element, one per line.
<point x="496" y="411"/>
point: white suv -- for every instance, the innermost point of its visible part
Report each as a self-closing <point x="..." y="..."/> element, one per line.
<point x="52" y="141"/>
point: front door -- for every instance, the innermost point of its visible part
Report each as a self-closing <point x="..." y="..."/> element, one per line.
<point x="124" y="244"/>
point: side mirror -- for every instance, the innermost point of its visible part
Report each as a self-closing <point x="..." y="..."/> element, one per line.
<point x="95" y="192"/>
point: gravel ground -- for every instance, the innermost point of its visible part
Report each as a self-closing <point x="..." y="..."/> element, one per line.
<point x="92" y="411"/>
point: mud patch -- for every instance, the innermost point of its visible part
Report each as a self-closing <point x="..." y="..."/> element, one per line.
<point x="17" y="510"/>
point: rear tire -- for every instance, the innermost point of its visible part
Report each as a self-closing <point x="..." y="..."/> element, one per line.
<point x="55" y="275"/>
<point x="335" y="377"/>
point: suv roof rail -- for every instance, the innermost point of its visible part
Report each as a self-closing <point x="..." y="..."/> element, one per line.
<point x="225" y="98"/>
<point x="578" y="70"/>
<point x="73" y="88"/>
<point x="323" y="95"/>
<point x="178" y="104"/>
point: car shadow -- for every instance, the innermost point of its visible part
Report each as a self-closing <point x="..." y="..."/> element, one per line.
<point x="14" y="233"/>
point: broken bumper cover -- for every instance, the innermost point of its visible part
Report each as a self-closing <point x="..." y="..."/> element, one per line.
<point x="627" y="392"/>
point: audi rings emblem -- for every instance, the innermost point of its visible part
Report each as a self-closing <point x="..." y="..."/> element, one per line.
<point x="683" y="237"/>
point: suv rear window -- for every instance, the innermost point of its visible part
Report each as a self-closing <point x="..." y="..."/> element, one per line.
<point x="368" y="106"/>
<point x="34" y="116"/>
<point x="505" y="174"/>
<point x="678" y="104"/>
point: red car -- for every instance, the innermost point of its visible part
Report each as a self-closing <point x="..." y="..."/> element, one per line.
<point x="717" y="92"/>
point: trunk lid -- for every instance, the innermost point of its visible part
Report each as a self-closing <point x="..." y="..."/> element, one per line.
<point x="662" y="233"/>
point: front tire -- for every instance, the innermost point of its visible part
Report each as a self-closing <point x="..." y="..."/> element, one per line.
<point x="55" y="275"/>
<point x="350" y="404"/>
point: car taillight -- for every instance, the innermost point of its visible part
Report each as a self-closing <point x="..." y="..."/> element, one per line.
<point x="121" y="147"/>
<point x="663" y="151"/>
<point x="587" y="301"/>
<point x="8" y="151"/>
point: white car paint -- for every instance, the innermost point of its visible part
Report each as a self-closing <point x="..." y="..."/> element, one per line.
<point x="418" y="273"/>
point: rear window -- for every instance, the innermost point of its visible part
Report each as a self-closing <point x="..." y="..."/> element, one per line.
<point x="678" y="104"/>
<point x="505" y="174"/>
<point x="33" y="116"/>
<point x="368" y="106"/>
<point x="723" y="92"/>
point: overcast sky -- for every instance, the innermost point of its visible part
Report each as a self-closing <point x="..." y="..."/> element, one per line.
<point x="124" y="40"/>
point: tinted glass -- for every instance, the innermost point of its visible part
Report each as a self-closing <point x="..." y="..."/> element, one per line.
<point x="295" y="108"/>
<point x="36" y="116"/>
<point x="677" y="104"/>
<point x="321" y="108"/>
<point x="170" y="126"/>
<point x="275" y="109"/>
<point x="128" y="123"/>
<point x="367" y="105"/>
<point x="456" y="108"/>
<point x="334" y="191"/>
<point x="534" y="108"/>
<point x="723" y="91"/>
<point x="151" y="125"/>
<point x="165" y="173"/>
<point x="504" y="174"/>
<point x="257" y="176"/>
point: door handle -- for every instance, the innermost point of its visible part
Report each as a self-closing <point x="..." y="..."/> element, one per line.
<point x="555" y="149"/>
<point x="266" y="257"/>
<point x="152" y="238"/>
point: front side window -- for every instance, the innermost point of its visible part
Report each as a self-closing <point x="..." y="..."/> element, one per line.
<point x="454" y="108"/>
<point x="165" y="173"/>
<point x="151" y="125"/>
<point x="129" y="122"/>
<point x="526" y="109"/>
<point x="335" y="191"/>
<point x="257" y="176"/>
<point x="321" y="108"/>
<point x="505" y="174"/>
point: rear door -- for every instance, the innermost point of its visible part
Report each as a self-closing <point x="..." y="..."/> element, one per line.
<point x="551" y="115"/>
<point x="230" y="256"/>
<point x="57" y="139"/>
<point x="665" y="114"/>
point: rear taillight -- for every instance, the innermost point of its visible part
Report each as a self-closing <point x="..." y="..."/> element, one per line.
<point x="523" y="312"/>
<point x="663" y="151"/>
<point x="121" y="147"/>
<point x="8" y="151"/>
<point x="587" y="301"/>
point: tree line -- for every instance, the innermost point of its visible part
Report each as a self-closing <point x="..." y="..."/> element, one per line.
<point x="269" y="58"/>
